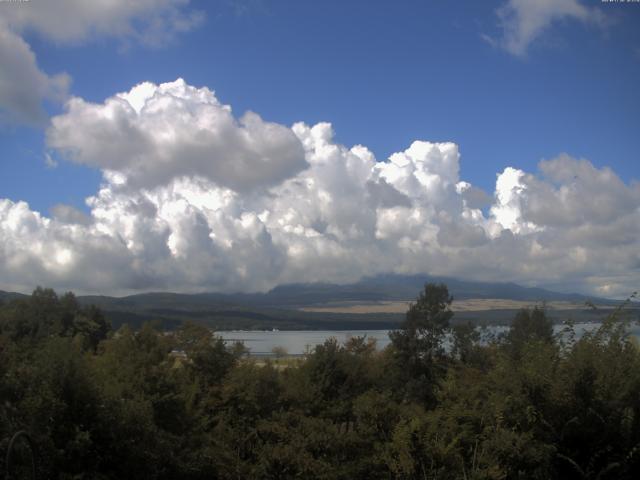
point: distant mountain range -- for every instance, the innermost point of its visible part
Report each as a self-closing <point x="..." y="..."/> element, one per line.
<point x="280" y="306"/>
<point x="407" y="287"/>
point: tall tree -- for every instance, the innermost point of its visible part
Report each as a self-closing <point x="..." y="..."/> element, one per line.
<point x="419" y="342"/>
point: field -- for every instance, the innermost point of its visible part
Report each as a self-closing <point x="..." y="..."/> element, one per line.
<point x="480" y="311"/>
<point x="468" y="305"/>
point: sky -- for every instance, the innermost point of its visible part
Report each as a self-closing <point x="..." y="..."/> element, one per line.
<point x="235" y="145"/>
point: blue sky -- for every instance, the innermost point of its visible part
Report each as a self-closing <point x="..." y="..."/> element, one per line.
<point x="383" y="73"/>
<point x="509" y="82"/>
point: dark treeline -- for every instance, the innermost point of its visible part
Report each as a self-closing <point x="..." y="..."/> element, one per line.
<point x="100" y="404"/>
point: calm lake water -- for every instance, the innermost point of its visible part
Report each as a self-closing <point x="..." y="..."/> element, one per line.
<point x="298" y="342"/>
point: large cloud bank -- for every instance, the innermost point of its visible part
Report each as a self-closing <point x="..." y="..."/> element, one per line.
<point x="195" y="199"/>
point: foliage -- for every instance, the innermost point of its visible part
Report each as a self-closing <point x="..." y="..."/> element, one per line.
<point x="418" y="346"/>
<point x="529" y="326"/>
<point x="438" y="403"/>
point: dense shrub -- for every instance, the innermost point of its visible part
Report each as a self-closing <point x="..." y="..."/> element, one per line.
<point x="148" y="404"/>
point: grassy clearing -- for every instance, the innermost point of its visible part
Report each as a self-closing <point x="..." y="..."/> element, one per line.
<point x="468" y="305"/>
<point x="279" y="363"/>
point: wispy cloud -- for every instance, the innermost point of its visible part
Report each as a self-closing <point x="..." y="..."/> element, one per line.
<point x="49" y="161"/>
<point x="77" y="21"/>
<point x="522" y="22"/>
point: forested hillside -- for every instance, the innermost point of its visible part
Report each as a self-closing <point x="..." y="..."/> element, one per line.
<point x="286" y="307"/>
<point x="147" y="404"/>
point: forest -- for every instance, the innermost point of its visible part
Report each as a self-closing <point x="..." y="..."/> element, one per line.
<point x="440" y="402"/>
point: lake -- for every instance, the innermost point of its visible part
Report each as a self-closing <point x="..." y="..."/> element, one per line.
<point x="299" y="342"/>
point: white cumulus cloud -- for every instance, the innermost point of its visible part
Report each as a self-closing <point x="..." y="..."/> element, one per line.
<point x="195" y="200"/>
<point x="154" y="133"/>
